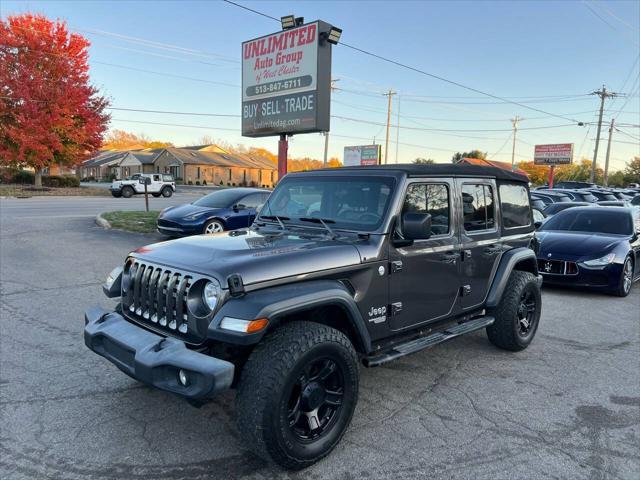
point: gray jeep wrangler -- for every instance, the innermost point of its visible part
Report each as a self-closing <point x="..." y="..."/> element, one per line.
<point x="342" y="267"/>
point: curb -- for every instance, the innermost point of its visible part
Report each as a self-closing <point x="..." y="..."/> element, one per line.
<point x="102" y="222"/>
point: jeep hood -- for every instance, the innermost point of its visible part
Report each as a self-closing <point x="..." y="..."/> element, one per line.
<point x="255" y="256"/>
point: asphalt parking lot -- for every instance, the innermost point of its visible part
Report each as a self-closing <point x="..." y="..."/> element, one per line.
<point x="567" y="407"/>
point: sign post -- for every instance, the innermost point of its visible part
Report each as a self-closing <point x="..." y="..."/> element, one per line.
<point x="286" y="84"/>
<point x="552" y="155"/>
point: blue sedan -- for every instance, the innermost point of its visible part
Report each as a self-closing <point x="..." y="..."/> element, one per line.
<point x="591" y="247"/>
<point x="221" y="210"/>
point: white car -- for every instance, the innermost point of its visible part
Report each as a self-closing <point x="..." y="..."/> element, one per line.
<point x="157" y="184"/>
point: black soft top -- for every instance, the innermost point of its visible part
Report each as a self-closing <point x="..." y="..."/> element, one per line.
<point x="435" y="170"/>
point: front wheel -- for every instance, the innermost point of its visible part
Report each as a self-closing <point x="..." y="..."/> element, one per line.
<point x="115" y="194"/>
<point x="297" y="394"/>
<point x="518" y="314"/>
<point x="213" y="226"/>
<point x="626" y="279"/>
<point x="127" y="192"/>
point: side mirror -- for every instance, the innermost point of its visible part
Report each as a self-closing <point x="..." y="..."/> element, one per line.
<point x="416" y="226"/>
<point x="537" y="224"/>
<point x="239" y="206"/>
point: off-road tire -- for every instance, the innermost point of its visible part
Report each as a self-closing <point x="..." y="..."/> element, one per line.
<point x="621" y="290"/>
<point x="505" y="332"/>
<point x="265" y="386"/>
<point x="116" y="194"/>
<point x="167" y="192"/>
<point x="127" y="191"/>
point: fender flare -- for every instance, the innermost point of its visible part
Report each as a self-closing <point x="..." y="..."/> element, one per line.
<point x="507" y="264"/>
<point x="275" y="303"/>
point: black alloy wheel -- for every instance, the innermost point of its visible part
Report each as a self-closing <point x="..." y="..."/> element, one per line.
<point x="316" y="399"/>
<point x="526" y="313"/>
<point x="297" y="393"/>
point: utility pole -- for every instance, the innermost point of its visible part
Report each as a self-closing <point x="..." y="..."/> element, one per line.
<point x="389" y="94"/>
<point x="326" y="134"/>
<point x="603" y="94"/>
<point x="398" y="130"/>
<point x="514" y="122"/>
<point x="606" y="162"/>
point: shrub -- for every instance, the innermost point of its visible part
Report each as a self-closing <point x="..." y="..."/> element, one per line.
<point x="24" y="177"/>
<point x="221" y="183"/>
<point x="189" y="182"/>
<point x="197" y="182"/>
<point x="90" y="178"/>
<point x="204" y="182"/>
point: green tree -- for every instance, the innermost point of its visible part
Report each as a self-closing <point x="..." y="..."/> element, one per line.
<point x="632" y="171"/>
<point x="424" y="161"/>
<point x="472" y="154"/>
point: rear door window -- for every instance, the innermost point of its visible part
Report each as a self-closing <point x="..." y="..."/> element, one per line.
<point x="478" y="207"/>
<point x="514" y="203"/>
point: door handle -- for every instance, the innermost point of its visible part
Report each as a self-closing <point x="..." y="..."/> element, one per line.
<point x="449" y="257"/>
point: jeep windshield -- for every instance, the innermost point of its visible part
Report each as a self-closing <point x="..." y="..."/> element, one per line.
<point x="347" y="203"/>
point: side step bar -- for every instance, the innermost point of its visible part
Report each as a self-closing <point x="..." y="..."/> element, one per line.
<point x="421" y="343"/>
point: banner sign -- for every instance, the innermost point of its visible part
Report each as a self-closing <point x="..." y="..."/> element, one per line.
<point x="553" y="154"/>
<point x="286" y="82"/>
<point x="362" y="155"/>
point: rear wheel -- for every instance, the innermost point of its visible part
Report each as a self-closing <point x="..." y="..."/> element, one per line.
<point x="213" y="226"/>
<point x="127" y="192"/>
<point x="297" y="394"/>
<point x="167" y="192"/>
<point x="626" y="279"/>
<point x="518" y="314"/>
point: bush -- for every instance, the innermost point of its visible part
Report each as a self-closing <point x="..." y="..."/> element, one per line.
<point x="204" y="182"/>
<point x="90" y="178"/>
<point x="60" y="181"/>
<point x="197" y="182"/>
<point x="24" y="177"/>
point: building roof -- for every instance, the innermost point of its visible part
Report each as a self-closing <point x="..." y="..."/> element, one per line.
<point x="209" y="155"/>
<point x="492" y="163"/>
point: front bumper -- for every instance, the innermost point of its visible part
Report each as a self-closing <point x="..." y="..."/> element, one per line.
<point x="153" y="359"/>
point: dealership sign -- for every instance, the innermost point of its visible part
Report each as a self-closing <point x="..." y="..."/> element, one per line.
<point x="554" y="154"/>
<point x="362" y="155"/>
<point x="286" y="82"/>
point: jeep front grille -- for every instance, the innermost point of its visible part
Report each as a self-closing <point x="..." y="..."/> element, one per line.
<point x="158" y="296"/>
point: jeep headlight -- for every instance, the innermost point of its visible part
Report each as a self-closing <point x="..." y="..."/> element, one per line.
<point x="600" y="262"/>
<point x="211" y="294"/>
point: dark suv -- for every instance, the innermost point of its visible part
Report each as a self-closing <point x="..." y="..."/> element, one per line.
<point x="341" y="267"/>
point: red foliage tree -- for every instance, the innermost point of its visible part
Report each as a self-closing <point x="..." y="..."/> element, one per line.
<point x="49" y="112"/>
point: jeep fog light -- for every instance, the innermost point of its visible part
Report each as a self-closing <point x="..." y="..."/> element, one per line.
<point x="183" y="378"/>
<point x="243" y="326"/>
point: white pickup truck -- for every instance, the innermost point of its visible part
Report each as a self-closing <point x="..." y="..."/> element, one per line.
<point x="157" y="184"/>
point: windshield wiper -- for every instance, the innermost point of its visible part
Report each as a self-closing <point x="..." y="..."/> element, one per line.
<point x="322" y="221"/>
<point x="275" y="217"/>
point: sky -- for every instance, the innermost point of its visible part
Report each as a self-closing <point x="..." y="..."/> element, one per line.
<point x="548" y="55"/>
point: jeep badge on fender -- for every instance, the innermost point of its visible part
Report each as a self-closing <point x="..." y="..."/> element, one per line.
<point x="342" y="267"/>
